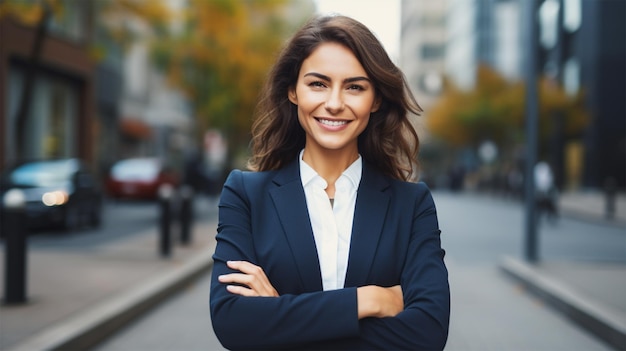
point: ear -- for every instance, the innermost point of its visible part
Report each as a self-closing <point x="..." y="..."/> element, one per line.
<point x="291" y="94"/>
<point x="376" y="104"/>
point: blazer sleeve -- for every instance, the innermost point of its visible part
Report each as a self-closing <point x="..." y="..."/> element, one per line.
<point x="423" y="325"/>
<point x="287" y="321"/>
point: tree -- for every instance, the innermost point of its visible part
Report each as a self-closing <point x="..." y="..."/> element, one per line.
<point x="494" y="110"/>
<point x="221" y="56"/>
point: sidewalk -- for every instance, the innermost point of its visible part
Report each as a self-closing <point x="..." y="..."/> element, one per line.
<point x="592" y="294"/>
<point x="77" y="298"/>
<point x="591" y="205"/>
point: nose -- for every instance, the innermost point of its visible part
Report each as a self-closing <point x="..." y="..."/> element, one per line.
<point x="334" y="102"/>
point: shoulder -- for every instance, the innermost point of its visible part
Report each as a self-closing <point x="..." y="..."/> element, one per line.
<point x="401" y="192"/>
<point x="413" y="187"/>
<point x="249" y="179"/>
<point x="374" y="178"/>
<point x="409" y="190"/>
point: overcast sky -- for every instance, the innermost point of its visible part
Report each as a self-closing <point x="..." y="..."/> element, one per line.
<point x="381" y="16"/>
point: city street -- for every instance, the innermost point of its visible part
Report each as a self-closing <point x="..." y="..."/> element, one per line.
<point x="121" y="219"/>
<point x="70" y="273"/>
<point x="156" y="101"/>
<point x="490" y="311"/>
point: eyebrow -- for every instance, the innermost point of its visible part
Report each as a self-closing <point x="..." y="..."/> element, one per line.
<point x="347" y="80"/>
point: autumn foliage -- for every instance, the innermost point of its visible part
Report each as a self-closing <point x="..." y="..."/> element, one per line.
<point x="222" y="55"/>
<point x="494" y="111"/>
<point x="217" y="52"/>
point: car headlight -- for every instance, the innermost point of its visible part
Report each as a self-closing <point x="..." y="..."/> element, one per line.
<point x="55" y="198"/>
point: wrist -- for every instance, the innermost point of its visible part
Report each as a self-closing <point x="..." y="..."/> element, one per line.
<point x="367" y="303"/>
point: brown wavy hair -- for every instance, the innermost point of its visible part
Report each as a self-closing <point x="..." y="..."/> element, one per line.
<point x="389" y="142"/>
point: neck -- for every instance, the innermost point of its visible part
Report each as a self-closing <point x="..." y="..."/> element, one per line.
<point x="329" y="164"/>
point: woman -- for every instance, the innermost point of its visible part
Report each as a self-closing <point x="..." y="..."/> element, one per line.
<point x="326" y="245"/>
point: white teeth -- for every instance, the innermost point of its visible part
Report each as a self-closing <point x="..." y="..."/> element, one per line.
<point x="332" y="123"/>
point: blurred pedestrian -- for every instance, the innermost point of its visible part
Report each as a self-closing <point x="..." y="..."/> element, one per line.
<point x="327" y="244"/>
<point x="546" y="192"/>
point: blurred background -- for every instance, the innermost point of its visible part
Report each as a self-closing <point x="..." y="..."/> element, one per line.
<point x="103" y="102"/>
<point x="177" y="80"/>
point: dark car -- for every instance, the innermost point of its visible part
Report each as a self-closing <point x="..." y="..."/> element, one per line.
<point x="139" y="178"/>
<point x="59" y="193"/>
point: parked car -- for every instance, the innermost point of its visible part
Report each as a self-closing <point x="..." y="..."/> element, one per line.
<point x="139" y="178"/>
<point x="60" y="193"/>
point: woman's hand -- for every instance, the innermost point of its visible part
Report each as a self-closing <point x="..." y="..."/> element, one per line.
<point x="252" y="277"/>
<point x="376" y="301"/>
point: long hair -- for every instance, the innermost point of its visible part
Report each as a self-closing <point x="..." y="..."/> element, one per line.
<point x="389" y="142"/>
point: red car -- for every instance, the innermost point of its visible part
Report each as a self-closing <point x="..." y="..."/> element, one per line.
<point x="139" y="178"/>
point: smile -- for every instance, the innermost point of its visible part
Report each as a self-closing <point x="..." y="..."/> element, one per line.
<point x="332" y="123"/>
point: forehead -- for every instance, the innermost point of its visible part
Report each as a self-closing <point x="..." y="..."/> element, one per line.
<point x="333" y="59"/>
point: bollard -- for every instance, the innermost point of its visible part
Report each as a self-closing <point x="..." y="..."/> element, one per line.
<point x="610" y="195"/>
<point x="186" y="214"/>
<point x="15" y="230"/>
<point x="166" y="193"/>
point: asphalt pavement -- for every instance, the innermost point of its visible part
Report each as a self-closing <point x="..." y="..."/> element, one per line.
<point x="123" y="296"/>
<point x="76" y="296"/>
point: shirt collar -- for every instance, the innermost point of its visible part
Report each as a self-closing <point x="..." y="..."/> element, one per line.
<point x="352" y="173"/>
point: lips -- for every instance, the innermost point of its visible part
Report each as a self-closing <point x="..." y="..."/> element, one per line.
<point x="331" y="123"/>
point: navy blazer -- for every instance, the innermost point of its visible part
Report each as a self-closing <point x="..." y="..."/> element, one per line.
<point x="263" y="219"/>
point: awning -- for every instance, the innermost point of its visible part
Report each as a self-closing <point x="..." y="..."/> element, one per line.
<point x="135" y="128"/>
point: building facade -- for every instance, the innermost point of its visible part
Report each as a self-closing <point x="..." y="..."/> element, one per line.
<point x="59" y="118"/>
<point x="580" y="45"/>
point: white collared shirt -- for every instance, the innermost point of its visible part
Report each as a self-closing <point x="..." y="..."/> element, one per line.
<point x="332" y="224"/>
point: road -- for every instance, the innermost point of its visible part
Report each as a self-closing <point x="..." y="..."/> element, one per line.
<point x="120" y="219"/>
<point x="489" y="311"/>
<point x="71" y="274"/>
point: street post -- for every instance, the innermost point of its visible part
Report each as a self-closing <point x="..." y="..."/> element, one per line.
<point x="16" y="236"/>
<point x="532" y="109"/>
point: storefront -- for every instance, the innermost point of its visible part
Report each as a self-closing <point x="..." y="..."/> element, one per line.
<point x="60" y="115"/>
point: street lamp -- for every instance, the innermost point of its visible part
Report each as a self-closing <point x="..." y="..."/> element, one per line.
<point x="532" y="110"/>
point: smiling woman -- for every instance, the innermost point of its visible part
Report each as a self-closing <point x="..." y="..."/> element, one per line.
<point x="328" y="244"/>
<point x="334" y="106"/>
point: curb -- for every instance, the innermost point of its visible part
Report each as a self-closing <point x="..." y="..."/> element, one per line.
<point x="591" y="315"/>
<point x="90" y="327"/>
<point x="577" y="214"/>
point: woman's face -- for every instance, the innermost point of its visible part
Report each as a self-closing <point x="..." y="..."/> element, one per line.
<point x="334" y="96"/>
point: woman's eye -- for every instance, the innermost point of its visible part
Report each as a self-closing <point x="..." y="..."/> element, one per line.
<point x="317" y="84"/>
<point x="355" y="87"/>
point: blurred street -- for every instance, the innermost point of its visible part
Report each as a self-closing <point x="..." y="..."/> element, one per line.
<point x="145" y="100"/>
<point x="85" y="276"/>
<point x="490" y="311"/>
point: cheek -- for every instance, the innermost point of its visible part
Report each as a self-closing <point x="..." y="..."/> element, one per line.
<point x="362" y="106"/>
<point x="301" y="116"/>
<point x="364" y="112"/>
<point x="366" y="121"/>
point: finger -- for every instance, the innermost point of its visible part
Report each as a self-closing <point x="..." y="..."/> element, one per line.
<point x="259" y="286"/>
<point x="240" y="290"/>
<point x="254" y="278"/>
<point x="239" y="278"/>
<point x="257" y="279"/>
<point x="245" y="267"/>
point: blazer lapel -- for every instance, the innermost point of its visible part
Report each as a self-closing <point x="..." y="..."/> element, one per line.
<point x="369" y="215"/>
<point x="290" y="203"/>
